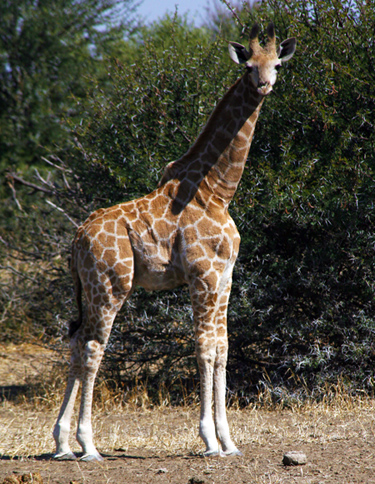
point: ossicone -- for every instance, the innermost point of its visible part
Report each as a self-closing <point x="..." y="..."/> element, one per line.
<point x="271" y="32"/>
<point x="254" y="31"/>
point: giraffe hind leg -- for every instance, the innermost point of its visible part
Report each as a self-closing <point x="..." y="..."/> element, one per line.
<point x="92" y="354"/>
<point x="87" y="348"/>
<point x="62" y="427"/>
<point x="92" y="346"/>
<point x="105" y="275"/>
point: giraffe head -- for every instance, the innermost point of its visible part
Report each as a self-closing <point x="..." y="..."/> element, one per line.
<point x="262" y="63"/>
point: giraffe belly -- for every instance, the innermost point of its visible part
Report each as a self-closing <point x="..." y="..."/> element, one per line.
<point x="158" y="280"/>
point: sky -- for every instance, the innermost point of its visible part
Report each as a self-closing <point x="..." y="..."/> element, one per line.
<point x="152" y="10"/>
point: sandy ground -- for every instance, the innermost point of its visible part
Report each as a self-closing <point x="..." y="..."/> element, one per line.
<point x="162" y="445"/>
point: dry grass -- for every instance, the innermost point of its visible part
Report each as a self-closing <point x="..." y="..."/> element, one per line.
<point x="263" y="434"/>
<point x="337" y="433"/>
<point x="26" y="428"/>
<point x="26" y="425"/>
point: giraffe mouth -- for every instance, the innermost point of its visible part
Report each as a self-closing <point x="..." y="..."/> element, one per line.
<point x="264" y="89"/>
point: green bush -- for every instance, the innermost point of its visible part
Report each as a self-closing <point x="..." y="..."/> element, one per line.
<point x="305" y="209"/>
<point x="302" y="305"/>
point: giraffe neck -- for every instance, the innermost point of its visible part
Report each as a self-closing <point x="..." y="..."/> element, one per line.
<point x="213" y="166"/>
<point x="226" y="151"/>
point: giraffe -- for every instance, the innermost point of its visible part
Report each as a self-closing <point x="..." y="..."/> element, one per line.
<point x="181" y="233"/>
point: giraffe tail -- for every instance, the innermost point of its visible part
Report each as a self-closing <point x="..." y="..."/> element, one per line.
<point x="75" y="325"/>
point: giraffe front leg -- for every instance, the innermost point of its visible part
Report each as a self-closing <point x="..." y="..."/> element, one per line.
<point x="62" y="427"/>
<point x="204" y="301"/>
<point x="206" y="358"/>
<point x="221" y="422"/>
<point x="221" y="357"/>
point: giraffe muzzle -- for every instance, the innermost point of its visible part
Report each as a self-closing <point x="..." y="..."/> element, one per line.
<point x="264" y="88"/>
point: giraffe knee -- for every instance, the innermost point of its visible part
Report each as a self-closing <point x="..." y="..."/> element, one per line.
<point x="205" y="354"/>
<point x="221" y="356"/>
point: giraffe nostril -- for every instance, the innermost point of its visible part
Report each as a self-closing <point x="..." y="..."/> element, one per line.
<point x="264" y="88"/>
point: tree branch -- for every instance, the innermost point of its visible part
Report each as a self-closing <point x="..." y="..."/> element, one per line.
<point x="11" y="185"/>
<point x="63" y="211"/>
<point x="245" y="28"/>
<point x="13" y="177"/>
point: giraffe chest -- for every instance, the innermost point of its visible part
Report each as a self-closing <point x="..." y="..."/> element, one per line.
<point x="157" y="259"/>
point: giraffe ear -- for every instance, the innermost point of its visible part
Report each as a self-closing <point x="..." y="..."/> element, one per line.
<point x="238" y="53"/>
<point x="286" y="49"/>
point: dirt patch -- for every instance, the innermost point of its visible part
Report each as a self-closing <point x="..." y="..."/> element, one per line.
<point x="162" y="445"/>
<point x="21" y="364"/>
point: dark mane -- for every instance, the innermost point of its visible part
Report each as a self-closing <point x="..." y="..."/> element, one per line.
<point x="172" y="169"/>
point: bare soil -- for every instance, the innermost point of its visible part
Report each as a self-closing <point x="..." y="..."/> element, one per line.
<point x="162" y="445"/>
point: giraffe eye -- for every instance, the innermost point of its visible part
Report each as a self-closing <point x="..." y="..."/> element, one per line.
<point x="278" y="67"/>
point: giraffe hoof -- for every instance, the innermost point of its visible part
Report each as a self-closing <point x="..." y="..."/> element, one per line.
<point x="65" y="456"/>
<point x="92" y="457"/>
<point x="211" y="453"/>
<point x="231" y="453"/>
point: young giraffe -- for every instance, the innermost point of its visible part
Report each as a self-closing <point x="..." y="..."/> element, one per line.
<point x="181" y="233"/>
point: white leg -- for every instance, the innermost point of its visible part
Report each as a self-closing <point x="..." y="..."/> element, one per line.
<point x="206" y="423"/>
<point x="92" y="355"/>
<point x="62" y="427"/>
<point x="205" y="346"/>
<point x="105" y="293"/>
<point x="221" y="422"/>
